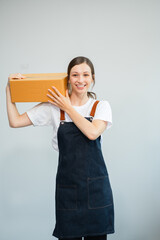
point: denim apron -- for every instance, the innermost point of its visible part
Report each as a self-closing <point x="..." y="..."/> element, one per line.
<point x="83" y="196"/>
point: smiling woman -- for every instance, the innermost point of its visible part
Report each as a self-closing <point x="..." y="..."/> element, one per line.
<point x="83" y="190"/>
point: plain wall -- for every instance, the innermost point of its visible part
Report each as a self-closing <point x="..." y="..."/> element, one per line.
<point x="122" y="40"/>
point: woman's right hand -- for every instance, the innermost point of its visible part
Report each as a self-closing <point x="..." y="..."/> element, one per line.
<point x="16" y="76"/>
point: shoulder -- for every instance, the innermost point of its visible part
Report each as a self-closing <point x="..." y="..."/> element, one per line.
<point x="42" y="105"/>
<point x="40" y="114"/>
<point x="104" y="112"/>
<point x="103" y="104"/>
<point x="46" y="106"/>
<point x="43" y="109"/>
<point x="103" y="108"/>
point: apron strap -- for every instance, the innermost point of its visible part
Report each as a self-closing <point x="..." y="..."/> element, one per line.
<point x="93" y="110"/>
<point x="62" y="115"/>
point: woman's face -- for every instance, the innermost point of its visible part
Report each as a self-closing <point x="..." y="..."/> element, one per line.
<point x="80" y="78"/>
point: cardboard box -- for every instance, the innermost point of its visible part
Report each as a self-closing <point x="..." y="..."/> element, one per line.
<point x="34" y="87"/>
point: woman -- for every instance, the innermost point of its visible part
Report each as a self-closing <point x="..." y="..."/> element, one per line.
<point x="84" y="201"/>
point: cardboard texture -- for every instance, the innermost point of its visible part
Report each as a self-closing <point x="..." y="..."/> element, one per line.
<point x="34" y="87"/>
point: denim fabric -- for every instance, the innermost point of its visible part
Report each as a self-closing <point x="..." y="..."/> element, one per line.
<point x="84" y="200"/>
<point x="101" y="237"/>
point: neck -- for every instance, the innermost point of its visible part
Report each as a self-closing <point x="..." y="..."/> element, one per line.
<point x="78" y="100"/>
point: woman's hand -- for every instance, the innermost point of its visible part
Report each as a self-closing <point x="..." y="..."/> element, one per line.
<point x="59" y="100"/>
<point x="17" y="75"/>
<point x="14" y="75"/>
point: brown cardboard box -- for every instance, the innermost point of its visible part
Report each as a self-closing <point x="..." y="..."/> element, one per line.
<point x="34" y="87"/>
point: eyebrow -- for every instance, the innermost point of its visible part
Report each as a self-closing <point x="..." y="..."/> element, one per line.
<point x="77" y="72"/>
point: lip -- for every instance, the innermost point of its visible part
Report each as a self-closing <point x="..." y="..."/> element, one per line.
<point x="81" y="85"/>
<point x="81" y="88"/>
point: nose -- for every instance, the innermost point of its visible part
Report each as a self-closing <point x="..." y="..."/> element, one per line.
<point x="80" y="79"/>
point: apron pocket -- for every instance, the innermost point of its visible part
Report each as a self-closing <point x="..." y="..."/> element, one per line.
<point x="66" y="197"/>
<point x="99" y="192"/>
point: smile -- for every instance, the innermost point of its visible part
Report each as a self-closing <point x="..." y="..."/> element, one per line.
<point x="80" y="86"/>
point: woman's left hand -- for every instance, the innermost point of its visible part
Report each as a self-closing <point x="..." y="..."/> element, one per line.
<point x="59" y="100"/>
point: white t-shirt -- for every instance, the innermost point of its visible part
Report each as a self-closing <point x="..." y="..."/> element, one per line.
<point x="47" y="114"/>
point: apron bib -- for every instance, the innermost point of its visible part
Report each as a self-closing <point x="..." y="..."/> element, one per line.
<point x="83" y="197"/>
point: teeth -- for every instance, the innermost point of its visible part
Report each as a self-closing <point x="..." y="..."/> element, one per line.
<point x="80" y="85"/>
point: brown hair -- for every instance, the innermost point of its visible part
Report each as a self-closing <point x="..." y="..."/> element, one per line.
<point x="77" y="61"/>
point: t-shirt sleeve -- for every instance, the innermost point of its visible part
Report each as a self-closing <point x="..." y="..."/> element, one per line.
<point x="40" y="115"/>
<point x="104" y="112"/>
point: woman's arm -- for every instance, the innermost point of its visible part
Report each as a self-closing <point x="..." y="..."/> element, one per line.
<point x="91" y="129"/>
<point x="15" y="119"/>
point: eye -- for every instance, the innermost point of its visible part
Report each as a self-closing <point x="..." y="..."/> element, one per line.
<point x="86" y="75"/>
<point x="74" y="75"/>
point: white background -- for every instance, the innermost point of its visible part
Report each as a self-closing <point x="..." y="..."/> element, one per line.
<point x="122" y="40"/>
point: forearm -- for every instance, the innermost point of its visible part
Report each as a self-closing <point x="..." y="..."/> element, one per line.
<point x="12" y="111"/>
<point x="82" y="123"/>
